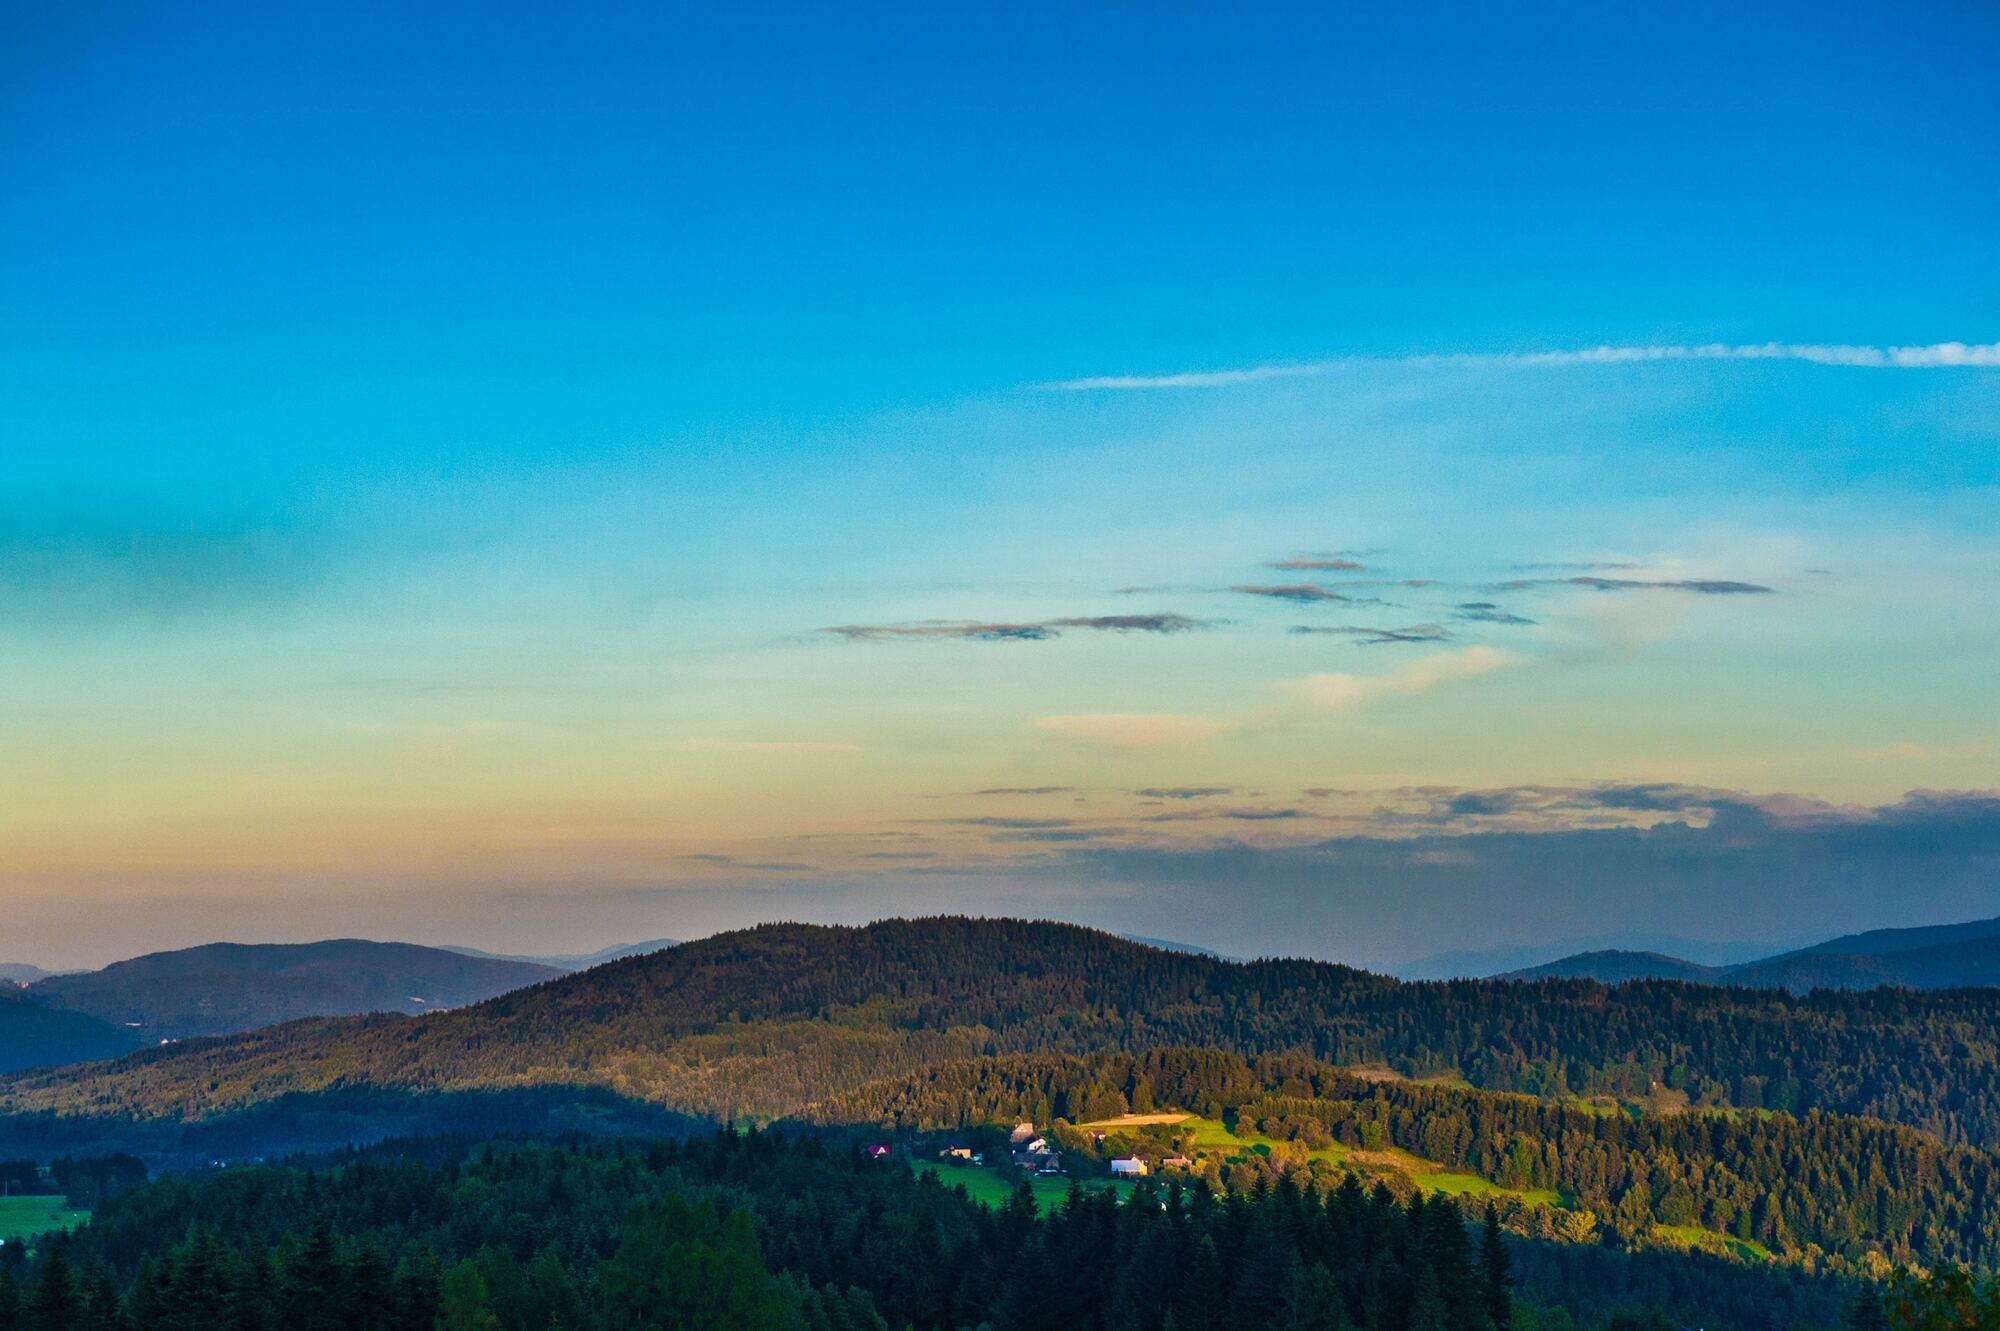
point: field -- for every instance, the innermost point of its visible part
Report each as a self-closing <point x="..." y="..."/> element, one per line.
<point x="1471" y="1185"/>
<point x="1693" y="1236"/>
<point x="1211" y="1137"/>
<point x="25" y="1217"/>
<point x="992" y="1188"/>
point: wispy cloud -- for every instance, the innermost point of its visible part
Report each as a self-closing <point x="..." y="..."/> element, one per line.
<point x="1369" y="637"/>
<point x="1025" y="790"/>
<point x="754" y="866"/>
<point x="1340" y="690"/>
<point x="1299" y="593"/>
<point x="1939" y="355"/>
<point x="965" y="631"/>
<point x="1156" y="623"/>
<point x="1183" y="792"/>
<point x="1129" y="730"/>
<point x="1486" y="612"/>
<point x="978" y="631"/>
<point x="1700" y="586"/>
<point x="1313" y="563"/>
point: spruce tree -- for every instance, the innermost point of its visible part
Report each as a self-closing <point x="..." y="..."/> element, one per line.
<point x="1865" y="1312"/>
<point x="1429" y="1312"/>
<point x="1496" y="1272"/>
<point x="56" y="1305"/>
<point x="199" y="1284"/>
<point x="1203" y="1301"/>
<point x="414" y="1297"/>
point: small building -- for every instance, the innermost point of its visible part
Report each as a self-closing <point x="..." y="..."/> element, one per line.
<point x="1176" y="1162"/>
<point x="955" y="1153"/>
<point x="1036" y="1146"/>
<point x="876" y="1151"/>
<point x="1128" y="1166"/>
<point x="1021" y="1133"/>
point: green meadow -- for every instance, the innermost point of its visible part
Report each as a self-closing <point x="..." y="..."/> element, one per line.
<point x="25" y="1217"/>
<point x="992" y="1188"/>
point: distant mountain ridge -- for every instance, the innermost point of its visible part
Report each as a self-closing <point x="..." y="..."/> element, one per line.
<point x="573" y="961"/>
<point x="1615" y="966"/>
<point x="223" y="988"/>
<point x="1944" y="956"/>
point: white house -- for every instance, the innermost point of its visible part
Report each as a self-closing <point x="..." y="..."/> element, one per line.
<point x="1129" y="1166"/>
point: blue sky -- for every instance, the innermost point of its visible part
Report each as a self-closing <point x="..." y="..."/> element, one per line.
<point x="437" y="450"/>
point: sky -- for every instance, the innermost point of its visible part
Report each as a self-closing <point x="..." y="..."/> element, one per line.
<point x="1442" y="481"/>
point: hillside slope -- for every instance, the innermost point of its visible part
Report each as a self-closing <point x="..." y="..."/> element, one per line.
<point x="34" y="1035"/>
<point x="1875" y="942"/>
<point x="762" y="1022"/>
<point x="223" y="988"/>
<point x="1947" y="965"/>
<point x="1944" y="956"/>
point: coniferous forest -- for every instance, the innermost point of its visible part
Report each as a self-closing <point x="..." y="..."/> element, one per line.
<point x="761" y="1231"/>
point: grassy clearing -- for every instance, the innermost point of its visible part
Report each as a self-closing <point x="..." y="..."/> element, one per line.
<point x="1135" y="1121"/>
<point x="1471" y="1185"/>
<point x="991" y="1188"/>
<point x="25" y="1217"/>
<point x="1694" y="1236"/>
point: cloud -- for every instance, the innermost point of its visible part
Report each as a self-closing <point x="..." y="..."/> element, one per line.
<point x="1940" y="355"/>
<point x="1011" y="824"/>
<point x="976" y="631"/>
<point x="1156" y="623"/>
<point x="1300" y="593"/>
<point x="965" y="631"/>
<point x="1369" y="637"/>
<point x="1127" y="730"/>
<point x="764" y="745"/>
<point x="1261" y="815"/>
<point x="1701" y="586"/>
<point x="1485" y="612"/>
<point x="1183" y="792"/>
<point x="1025" y="790"/>
<point x="757" y="866"/>
<point x="1340" y="691"/>
<point x="1309" y="564"/>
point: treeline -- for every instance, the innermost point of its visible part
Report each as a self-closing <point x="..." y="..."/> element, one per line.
<point x="1813" y="1186"/>
<point x="760" y="1231"/>
<point x="756" y="1024"/>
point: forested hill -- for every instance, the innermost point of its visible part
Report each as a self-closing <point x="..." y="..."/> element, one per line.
<point x="33" y="1034"/>
<point x="762" y="1022"/>
<point x="221" y="988"/>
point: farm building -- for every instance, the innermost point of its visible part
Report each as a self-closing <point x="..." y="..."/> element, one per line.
<point x="1129" y="1166"/>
